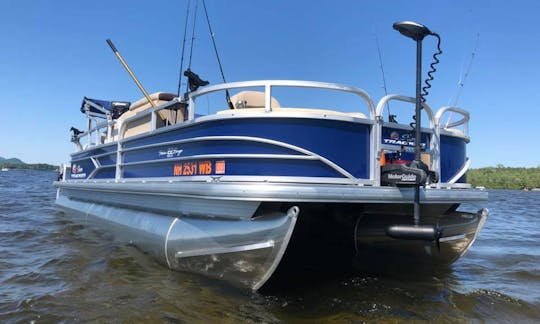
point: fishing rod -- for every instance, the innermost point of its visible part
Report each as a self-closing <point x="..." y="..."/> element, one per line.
<point x="227" y="95"/>
<point x="193" y="35"/>
<point x="194" y="81"/>
<point x="131" y="74"/>
<point x="391" y="118"/>
<point x="188" y="72"/>
<point x="463" y="77"/>
<point x="183" y="49"/>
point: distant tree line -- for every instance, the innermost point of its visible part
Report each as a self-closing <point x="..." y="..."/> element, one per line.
<point x="36" y="166"/>
<point x="501" y="177"/>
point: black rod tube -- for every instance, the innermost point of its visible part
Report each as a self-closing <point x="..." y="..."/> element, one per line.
<point x="418" y="123"/>
<point x="418" y="112"/>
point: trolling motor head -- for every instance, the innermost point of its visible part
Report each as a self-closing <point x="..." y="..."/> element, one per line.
<point x="412" y="30"/>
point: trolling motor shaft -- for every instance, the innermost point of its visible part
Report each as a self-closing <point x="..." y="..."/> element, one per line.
<point x="416" y="32"/>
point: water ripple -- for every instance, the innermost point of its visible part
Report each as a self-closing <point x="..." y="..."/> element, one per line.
<point x="55" y="270"/>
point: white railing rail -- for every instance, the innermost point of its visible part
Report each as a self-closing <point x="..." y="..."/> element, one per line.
<point x="93" y="133"/>
<point x="123" y="127"/>
<point x="380" y="122"/>
<point x="463" y="121"/>
<point x="384" y="100"/>
<point x="269" y="84"/>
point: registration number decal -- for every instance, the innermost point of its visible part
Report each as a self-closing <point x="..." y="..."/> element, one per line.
<point x="192" y="168"/>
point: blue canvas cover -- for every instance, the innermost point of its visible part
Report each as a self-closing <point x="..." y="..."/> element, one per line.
<point x="116" y="108"/>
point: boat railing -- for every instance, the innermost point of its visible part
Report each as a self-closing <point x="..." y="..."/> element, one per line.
<point x="116" y="128"/>
<point x="380" y="123"/>
<point x="270" y="84"/>
<point x="97" y="120"/>
<point x="464" y="120"/>
<point x="435" y="127"/>
<point x="267" y="84"/>
<point x="95" y="134"/>
<point x="384" y="101"/>
<point x="453" y="128"/>
<point x="153" y="112"/>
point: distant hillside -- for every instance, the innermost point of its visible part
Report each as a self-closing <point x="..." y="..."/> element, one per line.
<point x="14" y="163"/>
<point x="11" y="161"/>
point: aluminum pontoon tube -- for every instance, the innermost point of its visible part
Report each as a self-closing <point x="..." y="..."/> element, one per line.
<point x="415" y="246"/>
<point x="243" y="252"/>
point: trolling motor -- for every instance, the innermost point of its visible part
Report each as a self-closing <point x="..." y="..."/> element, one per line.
<point x="416" y="172"/>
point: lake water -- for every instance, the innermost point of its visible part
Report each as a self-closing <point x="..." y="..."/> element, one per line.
<point x="54" y="270"/>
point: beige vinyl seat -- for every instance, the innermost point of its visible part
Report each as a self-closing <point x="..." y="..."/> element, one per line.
<point x="251" y="99"/>
<point x="142" y="125"/>
<point x="254" y="100"/>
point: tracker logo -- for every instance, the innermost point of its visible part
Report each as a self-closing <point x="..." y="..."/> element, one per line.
<point x="75" y="168"/>
<point x="398" y="142"/>
<point x="77" y="171"/>
<point x="396" y="139"/>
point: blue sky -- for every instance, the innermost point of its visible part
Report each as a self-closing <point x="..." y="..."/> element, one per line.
<point x="54" y="53"/>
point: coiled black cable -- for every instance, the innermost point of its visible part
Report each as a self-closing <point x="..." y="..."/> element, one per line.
<point x="430" y="77"/>
<point x="413" y="126"/>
